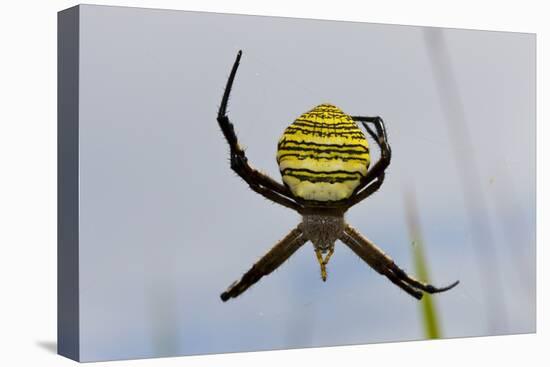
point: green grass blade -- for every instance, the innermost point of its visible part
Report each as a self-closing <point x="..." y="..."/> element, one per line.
<point x="430" y="319"/>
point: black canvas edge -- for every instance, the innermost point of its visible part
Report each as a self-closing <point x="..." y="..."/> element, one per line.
<point x="68" y="331"/>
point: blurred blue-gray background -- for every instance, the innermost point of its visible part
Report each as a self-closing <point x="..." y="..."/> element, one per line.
<point x="166" y="226"/>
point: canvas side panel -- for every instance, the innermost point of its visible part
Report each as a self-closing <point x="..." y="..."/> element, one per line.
<point x="67" y="183"/>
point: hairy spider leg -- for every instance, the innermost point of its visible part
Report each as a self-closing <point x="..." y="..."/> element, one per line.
<point x="384" y="264"/>
<point x="259" y="182"/>
<point x="375" y="176"/>
<point x="269" y="262"/>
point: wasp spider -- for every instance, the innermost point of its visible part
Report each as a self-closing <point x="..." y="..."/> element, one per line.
<point x="323" y="157"/>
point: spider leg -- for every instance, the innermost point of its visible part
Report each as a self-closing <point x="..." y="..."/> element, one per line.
<point x="368" y="190"/>
<point x="428" y="288"/>
<point x="383" y="264"/>
<point x="259" y="182"/>
<point x="378" y="122"/>
<point x="371" y="260"/>
<point x="269" y="262"/>
<point x="367" y="187"/>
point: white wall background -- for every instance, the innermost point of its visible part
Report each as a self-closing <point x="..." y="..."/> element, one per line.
<point x="28" y="184"/>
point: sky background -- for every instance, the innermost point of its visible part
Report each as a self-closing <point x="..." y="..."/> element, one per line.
<point x="166" y="226"/>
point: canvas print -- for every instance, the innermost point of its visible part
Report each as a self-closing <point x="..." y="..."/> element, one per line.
<point x="233" y="183"/>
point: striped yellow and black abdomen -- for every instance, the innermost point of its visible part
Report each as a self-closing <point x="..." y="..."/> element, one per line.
<point x="323" y="155"/>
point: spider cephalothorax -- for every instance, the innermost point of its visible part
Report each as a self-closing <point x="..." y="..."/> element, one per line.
<point x="324" y="160"/>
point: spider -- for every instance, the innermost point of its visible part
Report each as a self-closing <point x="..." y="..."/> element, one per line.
<point x="323" y="158"/>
